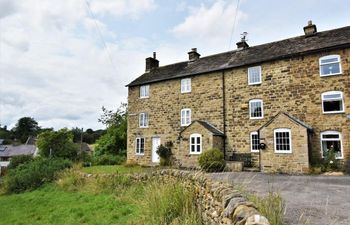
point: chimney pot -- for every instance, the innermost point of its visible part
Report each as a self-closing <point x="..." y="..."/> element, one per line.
<point x="243" y="43"/>
<point x="193" y="55"/>
<point x="310" y="29"/>
<point x="151" y="63"/>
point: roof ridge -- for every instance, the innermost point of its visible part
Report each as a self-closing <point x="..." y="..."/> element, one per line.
<point x="280" y="49"/>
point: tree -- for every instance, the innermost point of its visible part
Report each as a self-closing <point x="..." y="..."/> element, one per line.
<point x="25" y="127"/>
<point x="57" y="144"/>
<point x="114" y="141"/>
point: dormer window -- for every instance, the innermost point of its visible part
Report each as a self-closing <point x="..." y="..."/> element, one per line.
<point x="186" y="85"/>
<point x="144" y="91"/>
<point x="254" y="75"/>
<point x="330" y="65"/>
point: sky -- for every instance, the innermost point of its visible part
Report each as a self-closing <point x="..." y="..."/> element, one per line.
<point x="61" y="61"/>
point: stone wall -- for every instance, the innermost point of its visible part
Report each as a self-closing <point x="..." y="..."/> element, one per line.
<point x="219" y="203"/>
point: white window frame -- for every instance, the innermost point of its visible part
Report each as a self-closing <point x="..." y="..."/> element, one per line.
<point x="333" y="93"/>
<point x="143" y="120"/>
<point x="186" y="85"/>
<point x="332" y="139"/>
<point x="138" y="146"/>
<point x="144" y="91"/>
<point x="330" y="57"/>
<point x="195" y="136"/>
<point x="184" y="120"/>
<point x="280" y="130"/>
<point x="262" y="109"/>
<point x="260" y="75"/>
<point x="251" y="141"/>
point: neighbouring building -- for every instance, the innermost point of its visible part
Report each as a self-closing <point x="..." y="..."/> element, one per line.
<point x="285" y="103"/>
<point x="9" y="151"/>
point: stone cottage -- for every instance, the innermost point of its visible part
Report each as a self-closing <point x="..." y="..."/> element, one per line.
<point x="285" y="103"/>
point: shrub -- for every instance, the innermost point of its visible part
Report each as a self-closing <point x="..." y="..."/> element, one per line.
<point x="19" y="160"/>
<point x="108" y="159"/>
<point x="32" y="175"/>
<point x="212" y="160"/>
<point x="330" y="163"/>
<point x="164" y="154"/>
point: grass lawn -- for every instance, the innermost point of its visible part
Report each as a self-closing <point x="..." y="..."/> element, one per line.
<point x="115" y="169"/>
<point x="50" y="205"/>
<point x="74" y="199"/>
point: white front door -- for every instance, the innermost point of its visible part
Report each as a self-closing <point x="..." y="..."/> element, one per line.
<point x="155" y="145"/>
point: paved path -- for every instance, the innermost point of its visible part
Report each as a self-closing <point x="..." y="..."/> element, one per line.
<point x="321" y="200"/>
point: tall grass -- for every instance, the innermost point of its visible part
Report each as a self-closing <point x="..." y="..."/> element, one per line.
<point x="161" y="202"/>
<point x="271" y="205"/>
<point x="170" y="203"/>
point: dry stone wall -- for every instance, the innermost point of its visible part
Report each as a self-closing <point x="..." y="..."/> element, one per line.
<point x="219" y="203"/>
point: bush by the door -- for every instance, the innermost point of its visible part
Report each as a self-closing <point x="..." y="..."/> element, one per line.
<point x="212" y="160"/>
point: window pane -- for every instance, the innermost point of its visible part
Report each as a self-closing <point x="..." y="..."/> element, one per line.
<point x="331" y="145"/>
<point x="329" y="60"/>
<point x="255" y="109"/>
<point x="332" y="96"/>
<point x="198" y="148"/>
<point x="330" y="68"/>
<point x="330" y="136"/>
<point x="330" y="106"/>
<point x="192" y="140"/>
<point x="137" y="145"/>
<point x="142" y="145"/>
<point x="254" y="75"/>
<point x="193" y="148"/>
<point x="282" y="141"/>
<point x="255" y="141"/>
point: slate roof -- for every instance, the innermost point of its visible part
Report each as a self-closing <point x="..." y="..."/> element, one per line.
<point x="297" y="46"/>
<point x="215" y="131"/>
<point x="11" y="150"/>
<point x="292" y="118"/>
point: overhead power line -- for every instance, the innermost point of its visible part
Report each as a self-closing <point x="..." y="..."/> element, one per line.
<point x="100" y="34"/>
<point x="234" y="25"/>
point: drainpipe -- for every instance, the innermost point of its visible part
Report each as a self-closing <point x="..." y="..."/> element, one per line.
<point x="259" y="152"/>
<point x="224" y="110"/>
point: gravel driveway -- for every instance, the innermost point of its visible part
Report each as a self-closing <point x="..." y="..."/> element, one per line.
<point x="321" y="200"/>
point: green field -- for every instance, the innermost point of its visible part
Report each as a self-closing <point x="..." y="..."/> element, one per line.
<point x="50" y="205"/>
<point x="74" y="199"/>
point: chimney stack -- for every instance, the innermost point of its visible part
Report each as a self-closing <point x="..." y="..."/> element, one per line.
<point x="243" y="43"/>
<point x="151" y="63"/>
<point x="310" y="29"/>
<point x="193" y="55"/>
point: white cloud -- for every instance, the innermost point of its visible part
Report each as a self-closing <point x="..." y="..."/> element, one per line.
<point x="132" y="8"/>
<point x="212" y="24"/>
<point x="55" y="68"/>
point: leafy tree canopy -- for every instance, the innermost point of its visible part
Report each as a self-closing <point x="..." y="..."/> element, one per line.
<point x="57" y="144"/>
<point x="25" y="127"/>
<point x="114" y="141"/>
